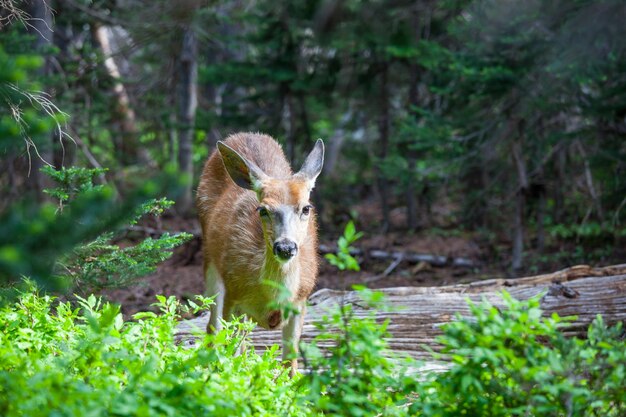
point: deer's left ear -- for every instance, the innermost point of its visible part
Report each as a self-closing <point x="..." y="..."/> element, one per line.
<point x="243" y="172"/>
<point x="313" y="164"/>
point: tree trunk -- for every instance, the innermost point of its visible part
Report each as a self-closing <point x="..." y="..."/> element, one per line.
<point x="417" y="313"/>
<point x="520" y="200"/>
<point x="40" y="26"/>
<point x="383" y="132"/>
<point x="518" y="233"/>
<point x="290" y="121"/>
<point x="410" y="192"/>
<point x="541" y="213"/>
<point x="304" y="117"/>
<point x="187" y="104"/>
<point x="65" y="152"/>
<point x="559" y="199"/>
<point x="334" y="144"/>
<point x="126" y="145"/>
<point x="411" y="200"/>
<point x="595" y="198"/>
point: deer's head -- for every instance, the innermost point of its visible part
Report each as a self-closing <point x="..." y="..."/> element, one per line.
<point x="284" y="205"/>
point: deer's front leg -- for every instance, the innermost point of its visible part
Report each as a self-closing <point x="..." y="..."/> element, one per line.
<point x="215" y="287"/>
<point x="291" y="337"/>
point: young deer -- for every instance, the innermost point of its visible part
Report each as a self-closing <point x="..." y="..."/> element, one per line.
<point x="258" y="224"/>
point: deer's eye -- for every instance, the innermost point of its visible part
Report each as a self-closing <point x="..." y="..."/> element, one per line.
<point x="306" y="210"/>
<point x="263" y="212"/>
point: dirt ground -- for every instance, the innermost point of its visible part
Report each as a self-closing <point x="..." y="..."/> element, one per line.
<point x="181" y="275"/>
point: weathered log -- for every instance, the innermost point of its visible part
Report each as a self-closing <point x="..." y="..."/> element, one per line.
<point x="411" y="257"/>
<point x="418" y="312"/>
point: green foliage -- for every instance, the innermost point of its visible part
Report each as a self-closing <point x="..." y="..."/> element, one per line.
<point x="342" y="259"/>
<point x="24" y="116"/>
<point x="72" y="181"/>
<point x="354" y="377"/>
<point x="588" y="231"/>
<point x="60" y="360"/>
<point x="59" y="249"/>
<point x="512" y="361"/>
<point x="37" y="242"/>
<point x="56" y="359"/>
<point x="100" y="263"/>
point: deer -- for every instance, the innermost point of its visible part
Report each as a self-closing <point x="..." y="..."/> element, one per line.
<point x="258" y="225"/>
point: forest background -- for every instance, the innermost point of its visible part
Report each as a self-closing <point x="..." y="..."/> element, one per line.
<point x="491" y="130"/>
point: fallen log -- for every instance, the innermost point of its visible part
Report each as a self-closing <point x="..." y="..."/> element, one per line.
<point x="411" y="257"/>
<point x="418" y="312"/>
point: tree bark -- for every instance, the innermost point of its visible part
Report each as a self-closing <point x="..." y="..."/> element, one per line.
<point x="335" y="143"/>
<point x="518" y="233"/>
<point x="290" y="119"/>
<point x="411" y="155"/>
<point x="411" y="200"/>
<point x="417" y="313"/>
<point x="40" y="26"/>
<point x="520" y="200"/>
<point x="541" y="213"/>
<point x="127" y="148"/>
<point x="304" y="117"/>
<point x="595" y="198"/>
<point x="559" y="199"/>
<point x="64" y="151"/>
<point x="187" y="105"/>
<point x="383" y="132"/>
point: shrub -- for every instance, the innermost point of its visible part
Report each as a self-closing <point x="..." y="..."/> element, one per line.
<point x="71" y="246"/>
<point x="515" y="362"/>
<point x="99" y="263"/>
<point x="354" y="377"/>
<point x="60" y="360"/>
<point x="86" y="361"/>
<point x="343" y="260"/>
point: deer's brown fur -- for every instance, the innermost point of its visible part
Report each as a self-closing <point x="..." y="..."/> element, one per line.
<point x="238" y="242"/>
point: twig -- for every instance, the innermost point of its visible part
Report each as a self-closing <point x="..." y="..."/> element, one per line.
<point x="92" y="159"/>
<point x="434" y="260"/>
<point x="387" y="271"/>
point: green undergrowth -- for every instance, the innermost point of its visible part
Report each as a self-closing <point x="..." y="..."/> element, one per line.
<point x="59" y="359"/>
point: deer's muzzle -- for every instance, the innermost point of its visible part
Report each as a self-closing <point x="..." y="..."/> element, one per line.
<point x="285" y="249"/>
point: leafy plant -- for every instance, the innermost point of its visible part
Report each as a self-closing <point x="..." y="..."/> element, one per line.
<point x="588" y="231"/>
<point x="355" y="377"/>
<point x="72" y="181"/>
<point x="513" y="361"/>
<point x="58" y="359"/>
<point x="343" y="259"/>
<point x="61" y="360"/>
<point x="100" y="263"/>
<point x="38" y="242"/>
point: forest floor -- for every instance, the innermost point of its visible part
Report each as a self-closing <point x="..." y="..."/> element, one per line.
<point x="181" y="275"/>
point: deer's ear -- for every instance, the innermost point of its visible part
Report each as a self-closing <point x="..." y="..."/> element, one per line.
<point x="244" y="173"/>
<point x="313" y="164"/>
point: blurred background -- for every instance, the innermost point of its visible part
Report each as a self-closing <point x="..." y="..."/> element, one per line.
<point x="490" y="132"/>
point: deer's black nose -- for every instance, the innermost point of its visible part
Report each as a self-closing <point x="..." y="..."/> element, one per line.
<point x="285" y="249"/>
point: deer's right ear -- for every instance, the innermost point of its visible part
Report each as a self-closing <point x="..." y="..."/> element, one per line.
<point x="243" y="172"/>
<point x="312" y="166"/>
